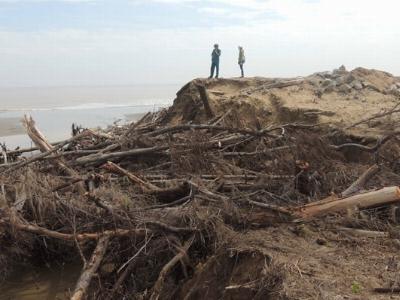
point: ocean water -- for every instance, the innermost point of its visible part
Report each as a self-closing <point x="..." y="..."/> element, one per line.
<point x="55" y="109"/>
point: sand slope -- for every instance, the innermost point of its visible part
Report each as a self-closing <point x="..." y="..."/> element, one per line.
<point x="338" y="99"/>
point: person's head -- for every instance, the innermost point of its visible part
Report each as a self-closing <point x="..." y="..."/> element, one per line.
<point x="216" y="46"/>
<point x="240" y="47"/>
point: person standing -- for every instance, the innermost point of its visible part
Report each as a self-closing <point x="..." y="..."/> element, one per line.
<point x="241" y="60"/>
<point x="216" y="53"/>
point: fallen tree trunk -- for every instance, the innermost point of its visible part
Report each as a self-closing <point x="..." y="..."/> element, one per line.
<point x="91" y="268"/>
<point x="380" y="197"/>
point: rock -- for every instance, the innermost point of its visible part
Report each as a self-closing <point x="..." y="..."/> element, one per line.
<point x="344" y="88"/>
<point x="330" y="88"/>
<point x="340" y="80"/>
<point x="326" y="74"/>
<point x="349" y="78"/>
<point x="370" y="86"/>
<point x="342" y="70"/>
<point x="393" y="90"/>
<point x="326" y="83"/>
<point x="357" y="85"/>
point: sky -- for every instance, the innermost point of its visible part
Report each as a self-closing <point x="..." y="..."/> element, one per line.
<point x="125" y="42"/>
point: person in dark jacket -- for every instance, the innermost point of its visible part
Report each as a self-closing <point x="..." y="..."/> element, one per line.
<point x="215" y="61"/>
<point x="241" y="60"/>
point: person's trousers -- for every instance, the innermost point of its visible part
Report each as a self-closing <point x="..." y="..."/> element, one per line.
<point x="241" y="69"/>
<point x="214" y="67"/>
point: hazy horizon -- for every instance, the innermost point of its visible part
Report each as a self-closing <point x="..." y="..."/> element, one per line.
<point x="84" y="97"/>
<point x="123" y="42"/>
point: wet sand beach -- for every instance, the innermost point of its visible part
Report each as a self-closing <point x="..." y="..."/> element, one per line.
<point x="10" y="126"/>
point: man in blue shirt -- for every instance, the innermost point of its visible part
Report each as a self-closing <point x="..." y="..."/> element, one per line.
<point x="215" y="61"/>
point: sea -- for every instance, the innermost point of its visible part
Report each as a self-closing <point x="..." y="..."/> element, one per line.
<point x="55" y="109"/>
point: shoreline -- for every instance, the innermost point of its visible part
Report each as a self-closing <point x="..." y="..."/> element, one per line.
<point x="10" y="127"/>
<point x="56" y="124"/>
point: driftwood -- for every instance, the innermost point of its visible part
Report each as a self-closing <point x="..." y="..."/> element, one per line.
<point x="273" y="85"/>
<point x="199" y="180"/>
<point x="372" y="149"/>
<point x="101" y="158"/>
<point x="31" y="228"/>
<point x="380" y="197"/>
<point x="255" y="153"/>
<point x="45" y="153"/>
<point x="387" y="290"/>
<point x="360" y="183"/>
<point x="157" y="288"/>
<point x="163" y="195"/>
<point x="364" y="233"/>
<point x="146" y="186"/>
<point x="40" y="141"/>
<point x="91" y="268"/>
<point x="186" y="127"/>
<point x="377" y="116"/>
<point x="205" y="99"/>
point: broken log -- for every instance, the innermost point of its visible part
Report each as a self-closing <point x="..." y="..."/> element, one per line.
<point x="91" y="268"/>
<point x="103" y="157"/>
<point x="360" y="183"/>
<point x="205" y="99"/>
<point x="377" y="198"/>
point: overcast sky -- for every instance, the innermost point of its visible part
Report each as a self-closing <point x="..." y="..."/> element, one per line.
<point x="118" y="42"/>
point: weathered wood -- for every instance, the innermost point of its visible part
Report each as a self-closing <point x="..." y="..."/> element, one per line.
<point x="146" y="186"/>
<point x="40" y="141"/>
<point x="371" y="149"/>
<point x="157" y="288"/>
<point x="364" y="233"/>
<point x="387" y="290"/>
<point x="31" y="228"/>
<point x="205" y="99"/>
<point x="361" y="181"/>
<point x="91" y="268"/>
<point x="255" y="153"/>
<point x="46" y="153"/>
<point x="186" y="127"/>
<point x="380" y="197"/>
<point x="103" y="157"/>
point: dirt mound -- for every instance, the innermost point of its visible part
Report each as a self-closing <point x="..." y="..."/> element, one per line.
<point x="339" y="99"/>
<point x="233" y="274"/>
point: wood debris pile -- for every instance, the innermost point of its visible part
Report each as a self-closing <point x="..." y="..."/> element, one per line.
<point x="151" y="209"/>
